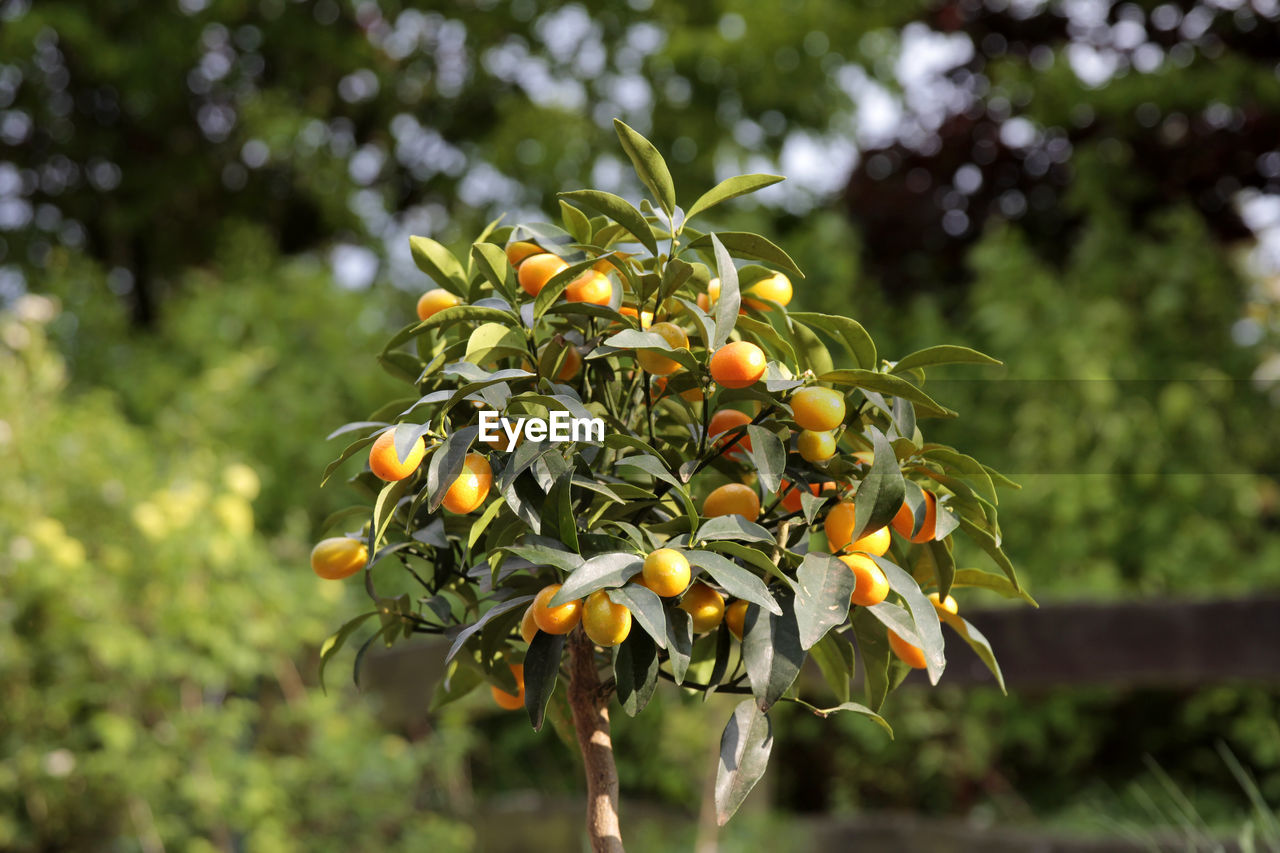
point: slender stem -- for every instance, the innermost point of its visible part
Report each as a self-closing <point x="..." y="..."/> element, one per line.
<point x="589" y="704"/>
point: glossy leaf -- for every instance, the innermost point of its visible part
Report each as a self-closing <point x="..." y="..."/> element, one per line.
<point x="874" y="653"/>
<point x="744" y="755"/>
<point x="729" y="300"/>
<point x="620" y="211"/>
<point x="730" y="188"/>
<point x="679" y="642"/>
<point x="769" y="455"/>
<point x="927" y="627"/>
<point x="823" y="587"/>
<point x="846" y="330"/>
<point x="600" y="571"/>
<point x="439" y="263"/>
<point x="635" y="671"/>
<point x="446" y="464"/>
<point x="834" y="656"/>
<point x="733" y="527"/>
<point x="496" y="610"/>
<point x="646" y="610"/>
<point x="649" y="165"/>
<point x="880" y="496"/>
<point x="742" y="244"/>
<point x="541" y="669"/>
<point x="943" y="354"/>
<point x="884" y="383"/>
<point x="772" y="652"/>
<point x="737" y="581"/>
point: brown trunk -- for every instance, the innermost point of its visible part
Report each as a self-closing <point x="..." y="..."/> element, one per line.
<point x="591" y="722"/>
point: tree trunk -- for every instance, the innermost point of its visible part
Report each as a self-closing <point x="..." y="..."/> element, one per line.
<point x="589" y="704"/>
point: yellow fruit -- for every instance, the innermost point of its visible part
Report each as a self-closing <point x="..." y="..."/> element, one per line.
<point x="536" y="270"/>
<point x="386" y="465"/>
<point x="948" y="610"/>
<point x="818" y="409"/>
<point x="732" y="499"/>
<point x="666" y="572"/>
<point x="606" y="623"/>
<point x="528" y="627"/>
<point x="645" y="317"/>
<point x="839" y="528"/>
<point x="555" y="620"/>
<point x="912" y="656"/>
<point x="655" y="362"/>
<point x="776" y="287"/>
<point x="738" y="365"/>
<point x="505" y="700"/>
<point x="870" y="584"/>
<point x="735" y="616"/>
<point x="338" y="557"/>
<point x="904" y="521"/>
<point x="434" y="301"/>
<point x="705" y="607"/>
<point x="816" y="446"/>
<point x="592" y="287"/>
<point x="472" y="486"/>
<point x="517" y="252"/>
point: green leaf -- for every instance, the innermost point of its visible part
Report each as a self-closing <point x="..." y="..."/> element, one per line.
<point x="944" y="567"/>
<point x="649" y="165"/>
<point x="965" y="467"/>
<point x="744" y="755"/>
<point x="810" y="350"/>
<point x="635" y="671"/>
<point x="823" y="587"/>
<point x="460" y="679"/>
<point x="874" y="652"/>
<point x="620" y="211"/>
<point x="496" y="610"/>
<point x="767" y="335"/>
<point x="337" y="640"/>
<point x="384" y="508"/>
<point x="987" y="542"/>
<point x="446" y="464"/>
<point x="450" y="316"/>
<point x="679" y="642"/>
<point x="730" y="300"/>
<point x="353" y="427"/>
<point x="736" y="580"/>
<point x="542" y="555"/>
<point x="576" y="222"/>
<point x="439" y="263"/>
<point x="769" y="455"/>
<point x="854" y="707"/>
<point x="880" y="496"/>
<point x="733" y="527"/>
<point x="341" y="516"/>
<point x="492" y="263"/>
<point x="834" y="656"/>
<point x="742" y="244"/>
<point x="1000" y="584"/>
<point x="927" y="627"/>
<point x="943" y="354"/>
<point x="603" y="570"/>
<point x="541" y="668"/>
<point x="772" y="652"/>
<point x="646" y="609"/>
<point x="980" y="646"/>
<point x="848" y="331"/>
<point x="748" y="554"/>
<point x="883" y="383"/>
<point x="730" y="188"/>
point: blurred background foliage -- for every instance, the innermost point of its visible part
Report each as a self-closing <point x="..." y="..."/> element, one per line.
<point x="203" y="213"/>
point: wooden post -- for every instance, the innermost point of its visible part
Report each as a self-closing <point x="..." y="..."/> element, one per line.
<point x="589" y="704"/>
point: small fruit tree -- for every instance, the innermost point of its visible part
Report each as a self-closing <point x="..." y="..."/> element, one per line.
<point x="729" y="516"/>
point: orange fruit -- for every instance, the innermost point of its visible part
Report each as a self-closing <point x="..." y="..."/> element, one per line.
<point x="732" y="499"/>
<point x="904" y="521"/>
<point x="818" y="409"/>
<point x="738" y="365"/>
<point x="657" y="363"/>
<point x="666" y="572"/>
<point x="816" y="446"/>
<point x="386" y="465"/>
<point x="536" y="270"/>
<point x="606" y="623"/>
<point x="505" y="700"/>
<point x="705" y="606"/>
<point x="947" y="610"/>
<point x="555" y="620"/>
<point x="528" y="627"/>
<point x="645" y="317"/>
<point x="776" y="287"/>
<point x="472" y="486"/>
<point x="839" y="528"/>
<point x="338" y="557"/>
<point x="870" y="584"/>
<point x="434" y="301"/>
<point x="735" y="616"/>
<point x="912" y="656"/>
<point x="727" y="419"/>
<point x="592" y="287"/>
<point x="517" y="252"/>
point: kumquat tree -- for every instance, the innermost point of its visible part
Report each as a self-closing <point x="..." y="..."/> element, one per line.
<point x="621" y="460"/>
